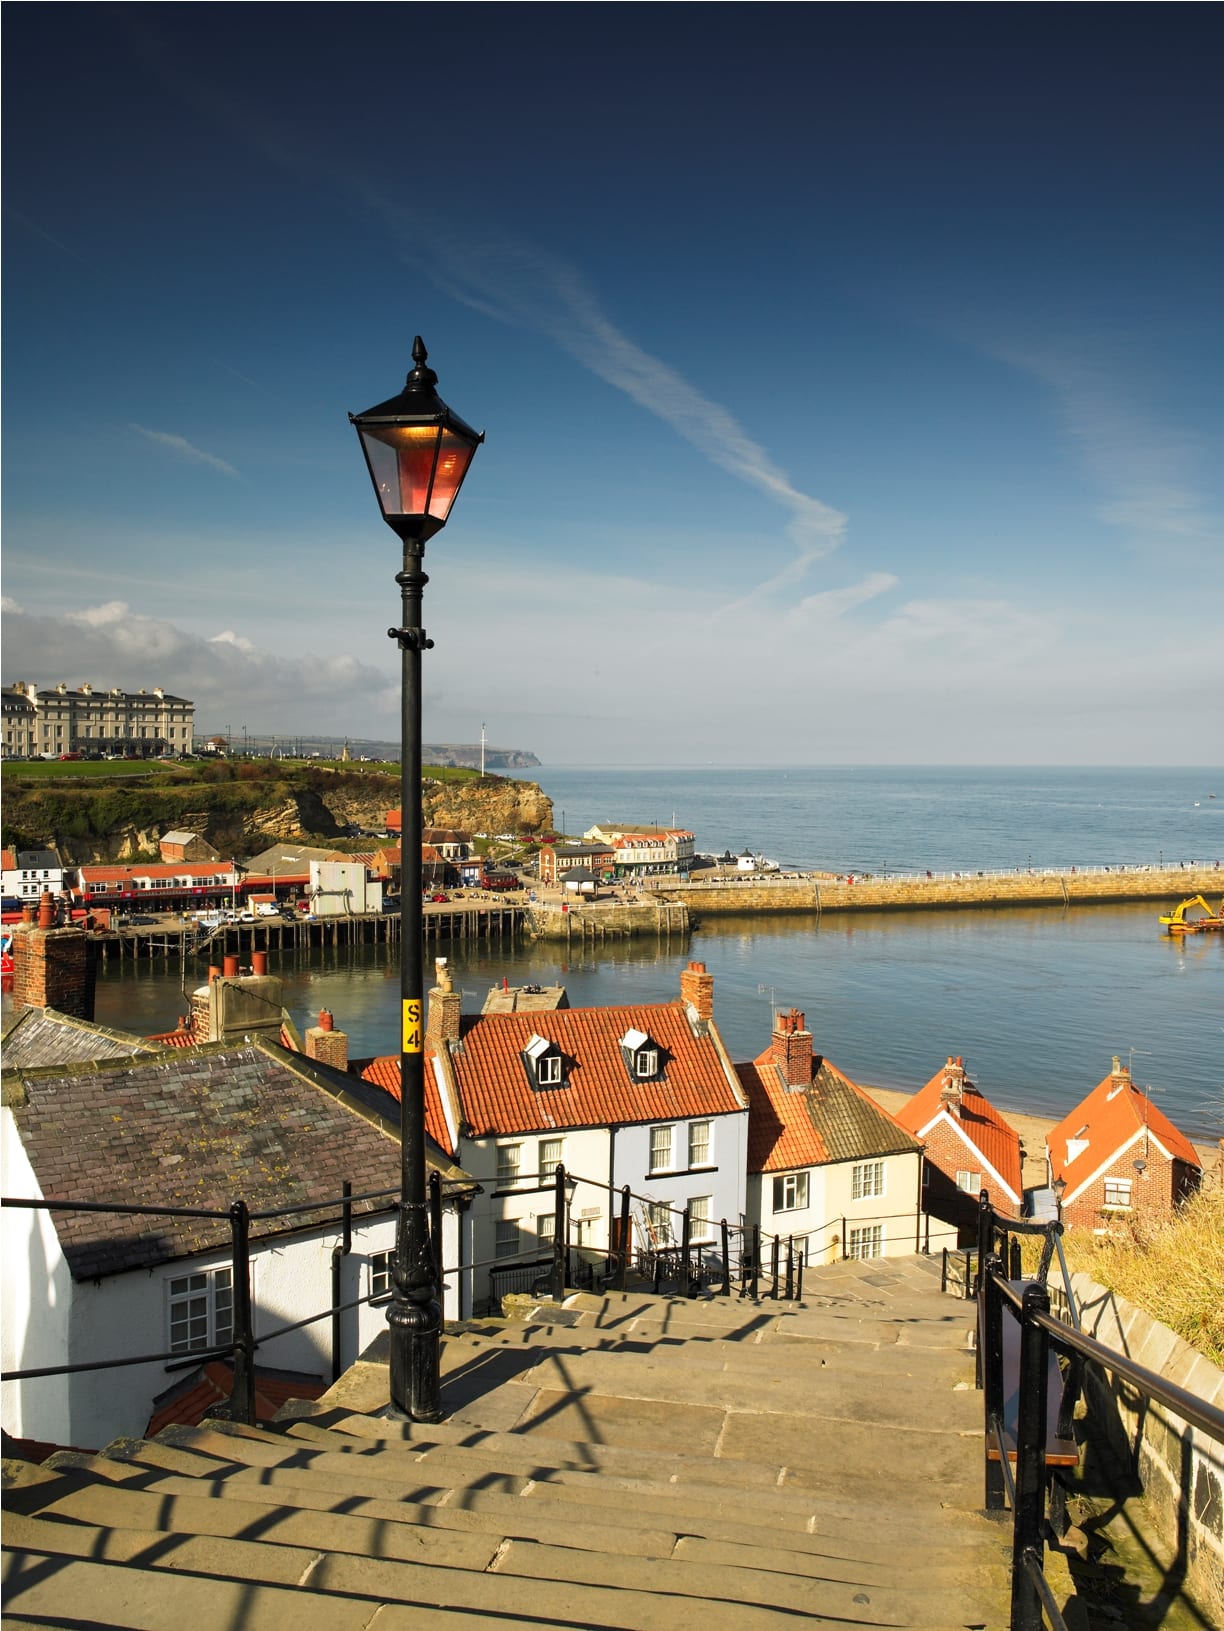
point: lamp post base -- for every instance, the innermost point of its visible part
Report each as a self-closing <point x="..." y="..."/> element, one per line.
<point x="416" y="1333"/>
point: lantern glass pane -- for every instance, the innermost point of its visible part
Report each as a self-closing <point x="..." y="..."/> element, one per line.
<point x="454" y="456"/>
<point x="401" y="463"/>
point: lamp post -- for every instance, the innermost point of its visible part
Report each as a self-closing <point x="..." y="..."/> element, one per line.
<point x="417" y="452"/>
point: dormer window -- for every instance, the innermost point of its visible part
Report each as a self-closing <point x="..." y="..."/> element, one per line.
<point x="641" y="1055"/>
<point x="545" y="1065"/>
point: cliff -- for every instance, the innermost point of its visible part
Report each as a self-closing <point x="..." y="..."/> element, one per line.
<point x="243" y="807"/>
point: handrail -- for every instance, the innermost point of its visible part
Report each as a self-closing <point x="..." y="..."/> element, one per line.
<point x="1042" y="1337"/>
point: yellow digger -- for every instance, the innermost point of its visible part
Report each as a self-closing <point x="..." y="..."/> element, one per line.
<point x="1176" y="921"/>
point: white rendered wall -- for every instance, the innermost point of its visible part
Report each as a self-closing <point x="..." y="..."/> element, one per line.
<point x="723" y="1180"/>
<point x="34" y="1301"/>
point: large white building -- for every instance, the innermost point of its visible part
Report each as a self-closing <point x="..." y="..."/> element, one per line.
<point x="45" y="724"/>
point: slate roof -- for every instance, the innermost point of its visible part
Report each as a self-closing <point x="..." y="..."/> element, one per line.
<point x="496" y="1095"/>
<point x="1111" y="1121"/>
<point x="200" y="1127"/>
<point x="44" y="1036"/>
<point x="979" y="1122"/>
<point x="833" y="1120"/>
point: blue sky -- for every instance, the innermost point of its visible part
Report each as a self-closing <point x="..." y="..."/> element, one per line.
<point x="851" y="375"/>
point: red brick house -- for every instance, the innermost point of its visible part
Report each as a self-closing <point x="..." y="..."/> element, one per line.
<point x="1120" y="1157"/>
<point x="969" y="1147"/>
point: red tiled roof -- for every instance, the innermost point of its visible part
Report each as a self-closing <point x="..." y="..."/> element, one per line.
<point x="1110" y="1118"/>
<point x="154" y="869"/>
<point x="212" y="1385"/>
<point x="832" y="1120"/>
<point x="9" y="860"/>
<point x="981" y="1124"/>
<point x="497" y="1096"/>
<point x="384" y="1072"/>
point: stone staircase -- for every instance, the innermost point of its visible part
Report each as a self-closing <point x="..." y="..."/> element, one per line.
<point x="623" y="1461"/>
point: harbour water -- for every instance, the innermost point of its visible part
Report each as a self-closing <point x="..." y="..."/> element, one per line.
<point x="1037" y="1000"/>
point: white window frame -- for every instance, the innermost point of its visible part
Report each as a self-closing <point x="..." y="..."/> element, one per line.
<point x="661" y="1223"/>
<point x="867" y="1181"/>
<point x="382" y="1281"/>
<point x="548" y="1164"/>
<point x="791" y="1191"/>
<point x="865" y="1241"/>
<point x="509" y="1163"/>
<point x="701" y="1224"/>
<point x="1119" y="1194"/>
<point x="700" y="1143"/>
<point x="969" y="1183"/>
<point x="506" y="1244"/>
<point x="200" y="1306"/>
<point x="646" y="1063"/>
<point x="657" y="1136"/>
<point x="548" y="1070"/>
<point x="546" y="1229"/>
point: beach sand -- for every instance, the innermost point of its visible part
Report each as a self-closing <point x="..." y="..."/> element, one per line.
<point x="1033" y="1130"/>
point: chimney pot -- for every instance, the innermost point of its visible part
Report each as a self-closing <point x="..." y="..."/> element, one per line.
<point x="46" y="911"/>
<point x="229" y="967"/>
<point x="326" y="1019"/>
<point x="259" y="962"/>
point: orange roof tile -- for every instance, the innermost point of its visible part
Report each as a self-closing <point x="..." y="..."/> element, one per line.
<point x="190" y="1401"/>
<point x="1109" y="1119"/>
<point x="833" y="1120"/>
<point x="984" y="1126"/>
<point x="384" y="1072"/>
<point x="497" y="1096"/>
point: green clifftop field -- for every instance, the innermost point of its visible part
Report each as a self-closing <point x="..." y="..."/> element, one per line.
<point x="96" y="812"/>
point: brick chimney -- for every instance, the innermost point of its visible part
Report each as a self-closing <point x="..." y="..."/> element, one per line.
<point x="445" y="1008"/>
<point x="697" y="990"/>
<point x="792" y="1050"/>
<point x="1119" y="1077"/>
<point x="325" y="1043"/>
<point x="952" y="1088"/>
<point x="52" y="968"/>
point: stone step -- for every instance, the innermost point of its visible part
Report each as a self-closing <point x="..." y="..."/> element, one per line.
<point x="855" y="1538"/>
<point x="523" y="1578"/>
<point x="45" y="1590"/>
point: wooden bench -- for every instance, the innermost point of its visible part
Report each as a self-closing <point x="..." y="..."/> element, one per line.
<point x="1059" y="1452"/>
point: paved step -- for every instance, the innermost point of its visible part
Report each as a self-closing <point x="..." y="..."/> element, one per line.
<point x="652" y="1463"/>
<point x="519" y="1577"/>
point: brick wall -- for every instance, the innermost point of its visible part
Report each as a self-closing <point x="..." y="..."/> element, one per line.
<point x="1153" y="1193"/>
<point x="53" y="968"/>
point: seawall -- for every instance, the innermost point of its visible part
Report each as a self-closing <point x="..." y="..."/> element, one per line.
<point x="816" y="894"/>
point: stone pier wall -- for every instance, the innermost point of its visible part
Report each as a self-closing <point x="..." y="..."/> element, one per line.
<point x="809" y="894"/>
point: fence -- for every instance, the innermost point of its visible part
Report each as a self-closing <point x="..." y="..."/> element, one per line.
<point x="1022" y="1352"/>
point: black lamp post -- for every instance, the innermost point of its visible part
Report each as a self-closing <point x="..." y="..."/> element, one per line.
<point x="418" y="453"/>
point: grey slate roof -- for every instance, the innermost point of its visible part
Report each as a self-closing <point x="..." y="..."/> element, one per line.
<point x="201" y="1127"/>
<point x="44" y="1036"/>
<point x="852" y="1125"/>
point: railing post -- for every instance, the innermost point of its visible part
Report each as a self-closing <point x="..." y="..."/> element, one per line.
<point x="756" y="1261"/>
<point x="943" y="1273"/>
<point x="560" y="1242"/>
<point x="725" y="1290"/>
<point x="1026" y="1612"/>
<point x="799" y="1277"/>
<point x="686" y="1251"/>
<point x="990" y="1353"/>
<point x="968" y="1282"/>
<point x="773" y="1267"/>
<point x="845" y="1244"/>
<point x="1015" y="1265"/>
<point x="339" y="1252"/>
<point x="242" y="1398"/>
<point x="985" y="1241"/>
<point x="790" y="1268"/>
<point x="622" y="1267"/>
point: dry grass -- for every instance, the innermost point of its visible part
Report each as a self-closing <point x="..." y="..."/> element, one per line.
<point x="1172" y="1268"/>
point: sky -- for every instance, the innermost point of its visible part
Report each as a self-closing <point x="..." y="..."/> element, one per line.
<point x="851" y="375"/>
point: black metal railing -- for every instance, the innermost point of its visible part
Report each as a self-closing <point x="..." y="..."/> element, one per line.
<point x="1016" y="1368"/>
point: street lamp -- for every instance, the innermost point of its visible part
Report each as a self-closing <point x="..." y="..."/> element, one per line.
<point x="417" y="452"/>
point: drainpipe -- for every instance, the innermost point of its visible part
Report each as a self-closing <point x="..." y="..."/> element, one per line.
<point x="339" y="1252"/>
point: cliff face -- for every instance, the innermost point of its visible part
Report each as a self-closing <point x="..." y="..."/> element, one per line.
<point x="98" y="824"/>
<point x="490" y="805"/>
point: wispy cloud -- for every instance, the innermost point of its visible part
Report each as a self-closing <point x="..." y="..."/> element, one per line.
<point x="523" y="287"/>
<point x="1146" y="471"/>
<point x="187" y="450"/>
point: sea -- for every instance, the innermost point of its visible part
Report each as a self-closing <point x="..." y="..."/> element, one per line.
<point x="1037" y="1000"/>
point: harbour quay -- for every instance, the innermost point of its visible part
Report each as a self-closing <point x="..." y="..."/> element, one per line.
<point x="1060" y="887"/>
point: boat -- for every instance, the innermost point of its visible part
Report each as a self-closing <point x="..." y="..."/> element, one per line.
<point x="1177" y="922"/>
